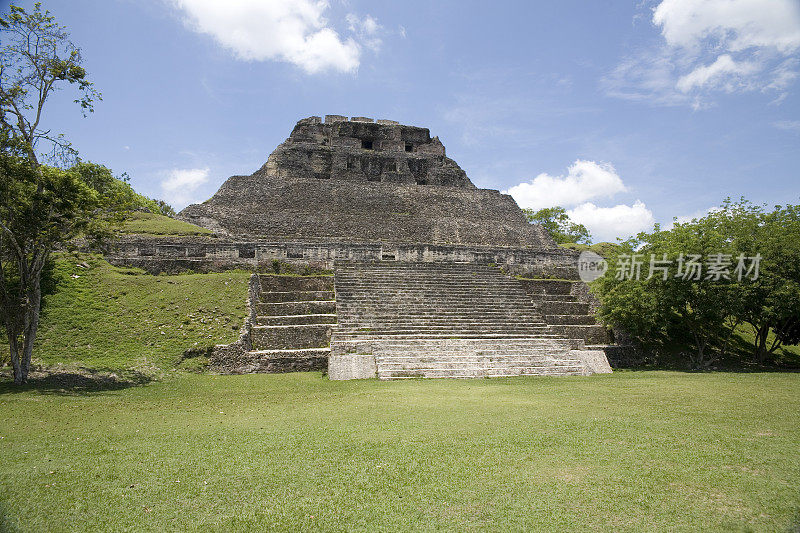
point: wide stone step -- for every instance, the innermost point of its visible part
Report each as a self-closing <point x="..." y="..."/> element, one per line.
<point x="432" y="284"/>
<point x="295" y="296"/>
<point x="473" y="363"/>
<point x="563" y="308"/>
<point x="546" y="286"/>
<point x="590" y="334"/>
<point x="324" y="318"/>
<point x="573" y="370"/>
<point x="401" y="329"/>
<point x="439" y="293"/>
<point x="275" y="361"/>
<point x="448" y="336"/>
<point x="570" y="319"/>
<point x="433" y="306"/>
<point x="296" y="308"/>
<point x="554" y="298"/>
<point x="437" y="323"/>
<point x="444" y="303"/>
<point x="291" y="337"/>
<point x="279" y="283"/>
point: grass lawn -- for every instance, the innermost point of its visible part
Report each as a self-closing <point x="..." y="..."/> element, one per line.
<point x="630" y="451"/>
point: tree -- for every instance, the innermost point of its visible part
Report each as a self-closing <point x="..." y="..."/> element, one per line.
<point x="558" y="224"/>
<point x="676" y="310"/>
<point x="770" y="304"/>
<point x="705" y="311"/>
<point x="41" y="206"/>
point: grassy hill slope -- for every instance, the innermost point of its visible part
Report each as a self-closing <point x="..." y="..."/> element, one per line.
<point x="103" y="317"/>
<point x="141" y="223"/>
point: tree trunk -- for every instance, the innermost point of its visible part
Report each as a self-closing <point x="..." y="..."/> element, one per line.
<point x="32" y="323"/>
<point x="16" y="364"/>
<point x="21" y="309"/>
<point x="700" y="342"/>
<point x="761" y="347"/>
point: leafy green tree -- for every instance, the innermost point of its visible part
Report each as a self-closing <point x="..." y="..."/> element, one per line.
<point x="677" y="310"/>
<point x="705" y="311"/>
<point x="770" y="304"/>
<point x="558" y="224"/>
<point x="40" y="206"/>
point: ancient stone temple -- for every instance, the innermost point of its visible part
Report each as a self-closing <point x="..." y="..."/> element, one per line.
<point x="360" y="181"/>
<point x="431" y="276"/>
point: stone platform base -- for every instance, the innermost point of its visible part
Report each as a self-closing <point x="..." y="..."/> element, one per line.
<point x="352" y="366"/>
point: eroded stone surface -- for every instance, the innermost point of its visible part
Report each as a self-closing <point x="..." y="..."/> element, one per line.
<point x="361" y="181"/>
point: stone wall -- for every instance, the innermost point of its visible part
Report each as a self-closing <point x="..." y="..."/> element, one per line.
<point x="269" y="208"/>
<point x="207" y="254"/>
<point x="362" y="150"/>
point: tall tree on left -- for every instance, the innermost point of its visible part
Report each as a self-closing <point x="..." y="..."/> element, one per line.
<point x="41" y="204"/>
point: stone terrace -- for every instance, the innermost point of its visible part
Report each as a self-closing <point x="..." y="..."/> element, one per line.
<point x="444" y="320"/>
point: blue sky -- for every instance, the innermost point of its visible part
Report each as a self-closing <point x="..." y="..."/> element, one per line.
<point x="626" y="113"/>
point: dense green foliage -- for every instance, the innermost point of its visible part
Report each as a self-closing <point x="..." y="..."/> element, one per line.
<point x="115" y="194"/>
<point x="707" y="310"/>
<point x="102" y="317"/>
<point x="558" y="224"/>
<point x="631" y="451"/>
<point x="603" y="249"/>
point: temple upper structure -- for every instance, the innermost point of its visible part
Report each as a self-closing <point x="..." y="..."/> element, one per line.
<point x="359" y="180"/>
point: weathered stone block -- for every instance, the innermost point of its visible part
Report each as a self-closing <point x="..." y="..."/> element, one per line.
<point x="594" y="361"/>
<point x="291" y="337"/>
<point x="352" y="366"/>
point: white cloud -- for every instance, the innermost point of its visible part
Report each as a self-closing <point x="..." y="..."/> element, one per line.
<point x="180" y="187"/>
<point x="608" y="223"/>
<point x="788" y="125"/>
<point x="713" y="45"/>
<point x="294" y="31"/>
<point x="735" y="24"/>
<point x="714" y="74"/>
<point x="585" y="180"/>
<point x="367" y="29"/>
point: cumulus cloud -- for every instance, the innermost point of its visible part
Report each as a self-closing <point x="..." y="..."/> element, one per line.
<point x="584" y="181"/>
<point x="181" y="186"/>
<point x="608" y="223"/>
<point x="712" y="45"/>
<point x="735" y="24"/>
<point x="294" y="31"/>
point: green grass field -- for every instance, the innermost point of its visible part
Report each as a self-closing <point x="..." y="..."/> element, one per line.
<point x="632" y="451"/>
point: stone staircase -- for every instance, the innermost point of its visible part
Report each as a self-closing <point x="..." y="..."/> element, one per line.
<point x="455" y="320"/>
<point x="562" y="310"/>
<point x="290" y="328"/>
